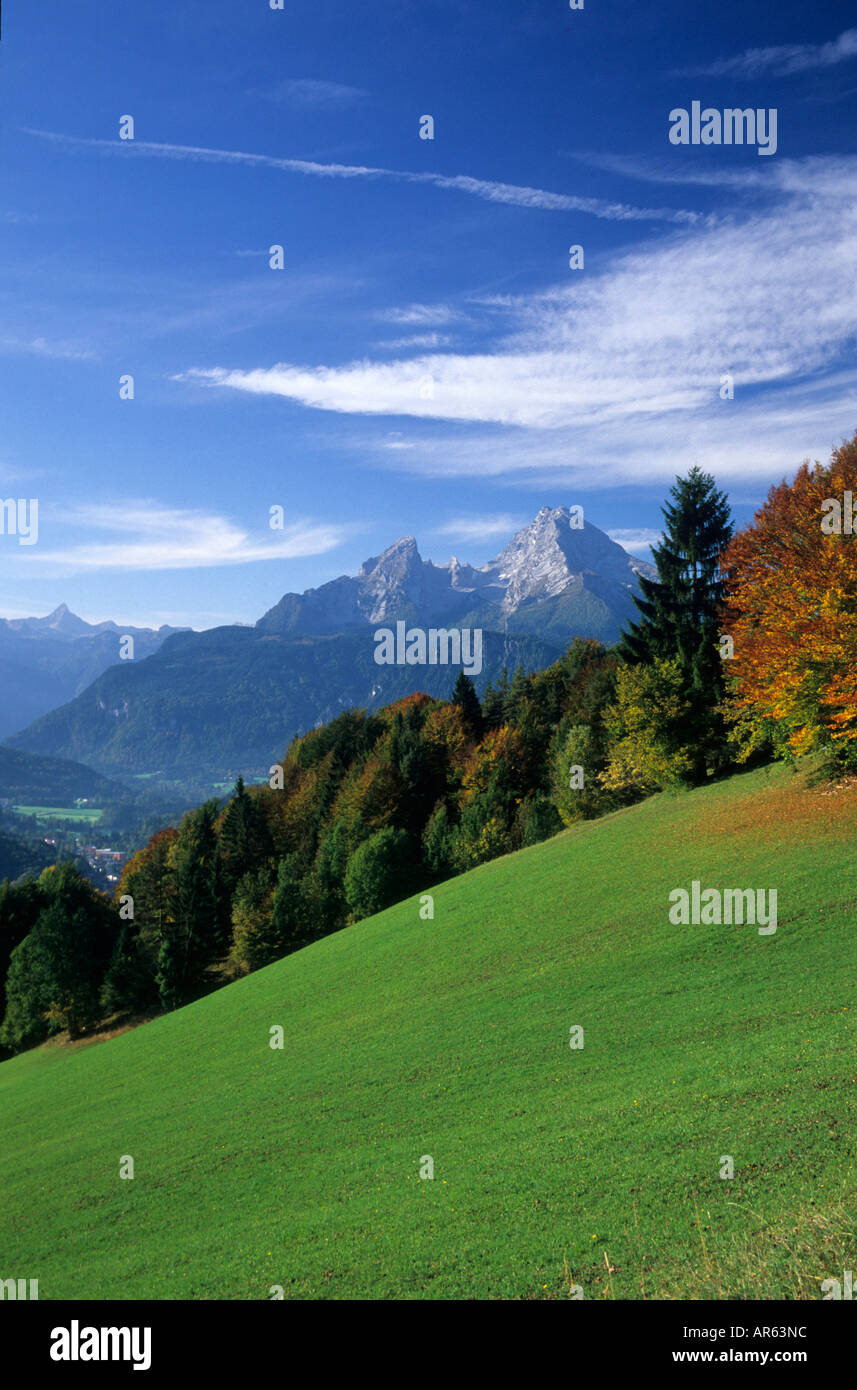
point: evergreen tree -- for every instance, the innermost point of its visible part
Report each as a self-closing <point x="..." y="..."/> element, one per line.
<point x="194" y="938"/>
<point x="410" y="756"/>
<point x="170" y="977"/>
<point x="492" y="707"/>
<point x="516" y="696"/>
<point x="464" y="695"/>
<point x="28" y="992"/>
<point x="498" y="704"/>
<point x="130" y="980"/>
<point x="244" y="839"/>
<point x="680" y="612"/>
<point x="148" y="880"/>
<point x="438" y="841"/>
<point x="235" y="837"/>
<point x="536" y="819"/>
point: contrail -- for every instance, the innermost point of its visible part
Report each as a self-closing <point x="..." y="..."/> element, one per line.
<point x="488" y="190"/>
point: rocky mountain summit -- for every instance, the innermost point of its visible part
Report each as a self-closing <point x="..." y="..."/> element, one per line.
<point x="553" y="561"/>
<point x="230" y="698"/>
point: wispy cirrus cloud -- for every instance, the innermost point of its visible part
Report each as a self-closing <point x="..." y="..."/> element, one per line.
<point x="635" y="541"/>
<point x="781" y="60"/>
<point x="417" y="340"/>
<point x="422" y="315"/>
<point x="316" y="94"/>
<point x="812" y="177"/>
<point x="480" y="528"/>
<point x="148" y="536"/>
<point x="47" y="347"/>
<point x="651" y="336"/>
<point x="626" y="366"/>
<point x="488" y="190"/>
<point x="743" y="445"/>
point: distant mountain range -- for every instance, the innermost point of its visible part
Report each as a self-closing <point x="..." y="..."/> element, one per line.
<point x="44" y="662"/>
<point x="552" y="582"/>
<point x="231" y="698"/>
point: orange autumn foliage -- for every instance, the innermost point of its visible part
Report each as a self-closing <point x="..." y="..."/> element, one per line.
<point x="791" y="586"/>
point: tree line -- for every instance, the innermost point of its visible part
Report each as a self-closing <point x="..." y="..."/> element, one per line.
<point x="743" y="649"/>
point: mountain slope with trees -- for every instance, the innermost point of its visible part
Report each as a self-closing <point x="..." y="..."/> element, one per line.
<point x="44" y="662"/>
<point x="378" y="804"/>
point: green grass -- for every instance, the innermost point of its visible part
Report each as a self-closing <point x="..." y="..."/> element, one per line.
<point x="81" y="814"/>
<point x="450" y="1038"/>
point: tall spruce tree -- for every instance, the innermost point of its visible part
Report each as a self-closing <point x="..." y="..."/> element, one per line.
<point x="464" y="695"/>
<point x="680" y="610"/>
<point x="492" y="707"/>
<point x="244" y="840"/>
<point x="516" y="696"/>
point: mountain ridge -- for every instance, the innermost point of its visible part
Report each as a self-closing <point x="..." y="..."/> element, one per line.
<point x="547" y="559"/>
<point x="45" y="662"/>
<point x="231" y="698"/>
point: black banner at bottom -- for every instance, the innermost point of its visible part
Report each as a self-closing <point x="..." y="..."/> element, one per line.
<point x="160" y="1339"/>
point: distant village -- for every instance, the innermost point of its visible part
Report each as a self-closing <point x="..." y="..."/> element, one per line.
<point x="107" y="861"/>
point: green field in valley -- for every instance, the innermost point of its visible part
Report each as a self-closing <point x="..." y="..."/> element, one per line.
<point x="405" y="1038"/>
<point x="82" y="814"/>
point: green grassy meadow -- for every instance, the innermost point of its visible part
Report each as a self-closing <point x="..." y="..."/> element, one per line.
<point x="79" y="814"/>
<point x="406" y="1037"/>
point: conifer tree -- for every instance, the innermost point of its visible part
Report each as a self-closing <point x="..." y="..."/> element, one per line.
<point x="492" y="707"/>
<point x="680" y="611"/>
<point x="502" y="694"/>
<point x="516" y="696"/>
<point x="464" y="695"/>
<point x="193" y="939"/>
<point x="244" y="839"/>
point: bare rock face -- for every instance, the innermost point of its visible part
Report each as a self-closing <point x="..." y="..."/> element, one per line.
<point x="547" y="557"/>
<point x="232" y="697"/>
<point x="556" y="557"/>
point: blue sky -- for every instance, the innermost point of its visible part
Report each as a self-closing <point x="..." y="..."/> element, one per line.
<point x="426" y="362"/>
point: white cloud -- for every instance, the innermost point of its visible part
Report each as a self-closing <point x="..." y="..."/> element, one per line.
<point x="418" y="340"/>
<point x="148" y="536"/>
<point x="316" y="94"/>
<point x="486" y="189"/>
<point x="44" y="347"/>
<point x="785" y="59"/>
<point x="625" y="366"/>
<point x="762" y="440"/>
<point x="395" y="440"/>
<point x="480" y="528"/>
<point x="422" y="315"/>
<point x="636" y="541"/>
<point x="814" y="176"/>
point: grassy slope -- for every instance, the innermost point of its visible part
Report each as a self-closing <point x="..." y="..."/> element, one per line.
<point x="450" y="1038"/>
